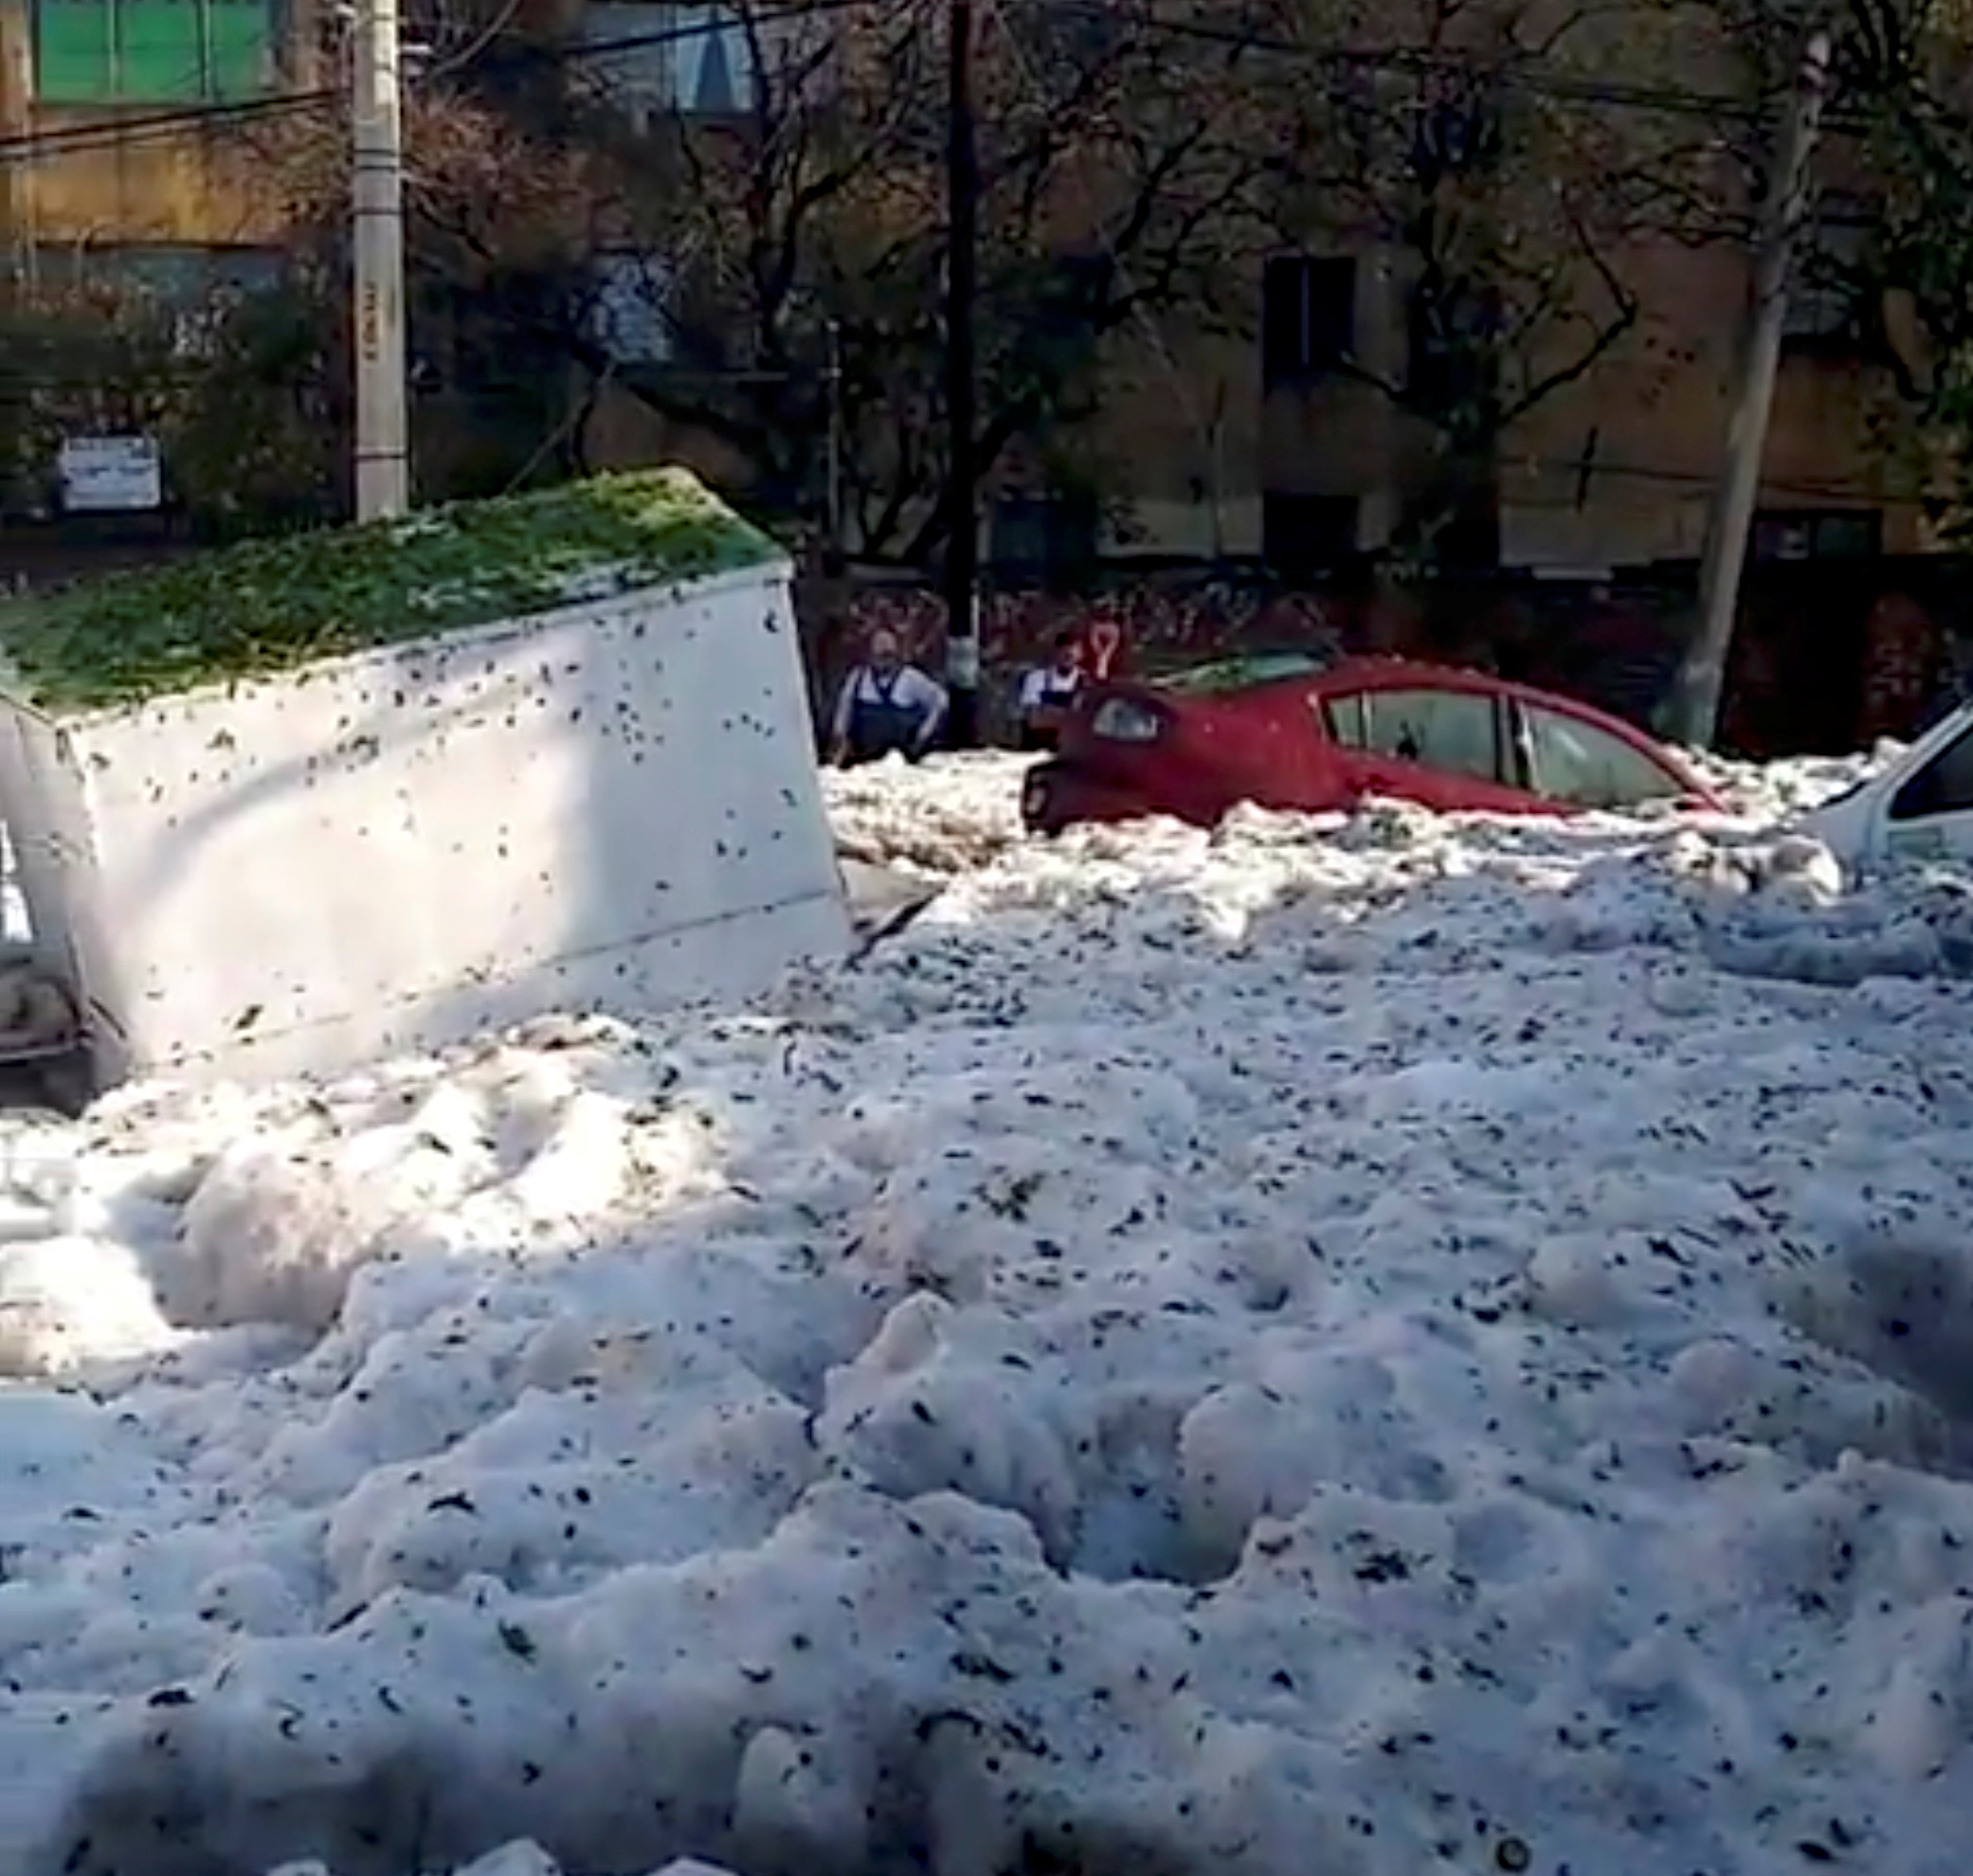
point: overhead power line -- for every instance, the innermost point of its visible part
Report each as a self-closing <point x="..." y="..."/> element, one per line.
<point x="1515" y="75"/>
<point x="1830" y="492"/>
<point x="109" y="132"/>
<point x="1522" y="74"/>
<point x="760" y="16"/>
<point x="112" y="132"/>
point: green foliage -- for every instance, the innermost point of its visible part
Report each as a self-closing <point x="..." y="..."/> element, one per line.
<point x="256" y="445"/>
<point x="77" y="360"/>
<point x="270" y="606"/>
<point x="233" y="389"/>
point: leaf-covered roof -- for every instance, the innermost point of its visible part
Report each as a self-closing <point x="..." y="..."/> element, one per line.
<point x="271" y="605"/>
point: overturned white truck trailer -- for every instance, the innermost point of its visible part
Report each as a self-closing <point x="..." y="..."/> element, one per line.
<point x="286" y="807"/>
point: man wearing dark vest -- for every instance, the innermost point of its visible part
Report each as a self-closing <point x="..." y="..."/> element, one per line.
<point x="1047" y="691"/>
<point x="886" y="706"/>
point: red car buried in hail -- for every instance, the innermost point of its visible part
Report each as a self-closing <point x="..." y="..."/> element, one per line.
<point x="1281" y="730"/>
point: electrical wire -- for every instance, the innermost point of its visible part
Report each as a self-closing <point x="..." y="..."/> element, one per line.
<point x="113" y="130"/>
<point x="570" y="50"/>
<point x="1406" y="59"/>
<point x="1513" y="76"/>
<point x="1530" y="465"/>
<point x="1712" y="106"/>
<point x="118" y="130"/>
<point x="1572" y="469"/>
<point x="479" y="41"/>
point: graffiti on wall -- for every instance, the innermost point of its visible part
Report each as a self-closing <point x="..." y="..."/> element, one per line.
<point x="1124" y="628"/>
<point x="1016" y="627"/>
<point x="1879" y="664"/>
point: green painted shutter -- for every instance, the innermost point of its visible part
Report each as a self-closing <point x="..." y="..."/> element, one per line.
<point x="241" y="41"/>
<point x="74" y="56"/>
<point x="160" y="54"/>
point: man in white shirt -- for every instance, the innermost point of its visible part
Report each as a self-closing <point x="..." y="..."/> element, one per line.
<point x="1047" y="691"/>
<point x="886" y="706"/>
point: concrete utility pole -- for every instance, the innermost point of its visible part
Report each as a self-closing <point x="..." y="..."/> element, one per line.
<point x="17" y="121"/>
<point x="1790" y="195"/>
<point x="383" y="479"/>
<point x="962" y="273"/>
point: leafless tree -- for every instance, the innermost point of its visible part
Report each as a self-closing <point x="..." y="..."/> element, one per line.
<point x="1514" y="160"/>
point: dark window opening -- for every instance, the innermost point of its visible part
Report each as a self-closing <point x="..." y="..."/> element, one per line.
<point x="1826" y="298"/>
<point x="1452" y="338"/>
<point x="1302" y="535"/>
<point x="1308" y="317"/>
<point x="1838" y="534"/>
<point x="1055" y="536"/>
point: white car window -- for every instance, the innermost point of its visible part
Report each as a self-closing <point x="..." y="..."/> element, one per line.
<point x="1448" y="730"/>
<point x="1580" y="766"/>
<point x="1944" y="785"/>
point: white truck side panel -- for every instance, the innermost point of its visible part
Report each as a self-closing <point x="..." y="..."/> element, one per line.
<point x="47" y="830"/>
<point x="612" y="805"/>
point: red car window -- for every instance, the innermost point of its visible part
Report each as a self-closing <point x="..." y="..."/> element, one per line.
<point x="1346" y="721"/>
<point x="1450" y="731"/>
<point x="1581" y="765"/>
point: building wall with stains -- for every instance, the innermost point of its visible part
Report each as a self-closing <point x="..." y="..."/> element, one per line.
<point x="169" y="152"/>
<point x="1611" y="470"/>
<point x="1198" y="456"/>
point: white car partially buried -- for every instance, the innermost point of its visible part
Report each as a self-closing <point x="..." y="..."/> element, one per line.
<point x="1919" y="808"/>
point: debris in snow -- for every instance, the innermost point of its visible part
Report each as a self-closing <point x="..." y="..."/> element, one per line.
<point x="1322" y="1345"/>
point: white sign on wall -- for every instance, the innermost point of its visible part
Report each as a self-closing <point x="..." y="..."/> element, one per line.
<point x="111" y="475"/>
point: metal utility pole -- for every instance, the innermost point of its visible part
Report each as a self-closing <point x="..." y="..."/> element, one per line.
<point x="962" y="285"/>
<point x="383" y="480"/>
<point x="1790" y="192"/>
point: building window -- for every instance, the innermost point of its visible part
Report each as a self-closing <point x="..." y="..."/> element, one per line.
<point x="630" y="311"/>
<point x="1308" y="317"/>
<point x="1825" y="296"/>
<point x="153" y="51"/>
<point x="1453" y="345"/>
<point x="1052" y="534"/>
<point x="185" y="274"/>
<point x="1302" y="535"/>
<point x="198" y="288"/>
<point x="1838" y="534"/>
<point x="653" y="58"/>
